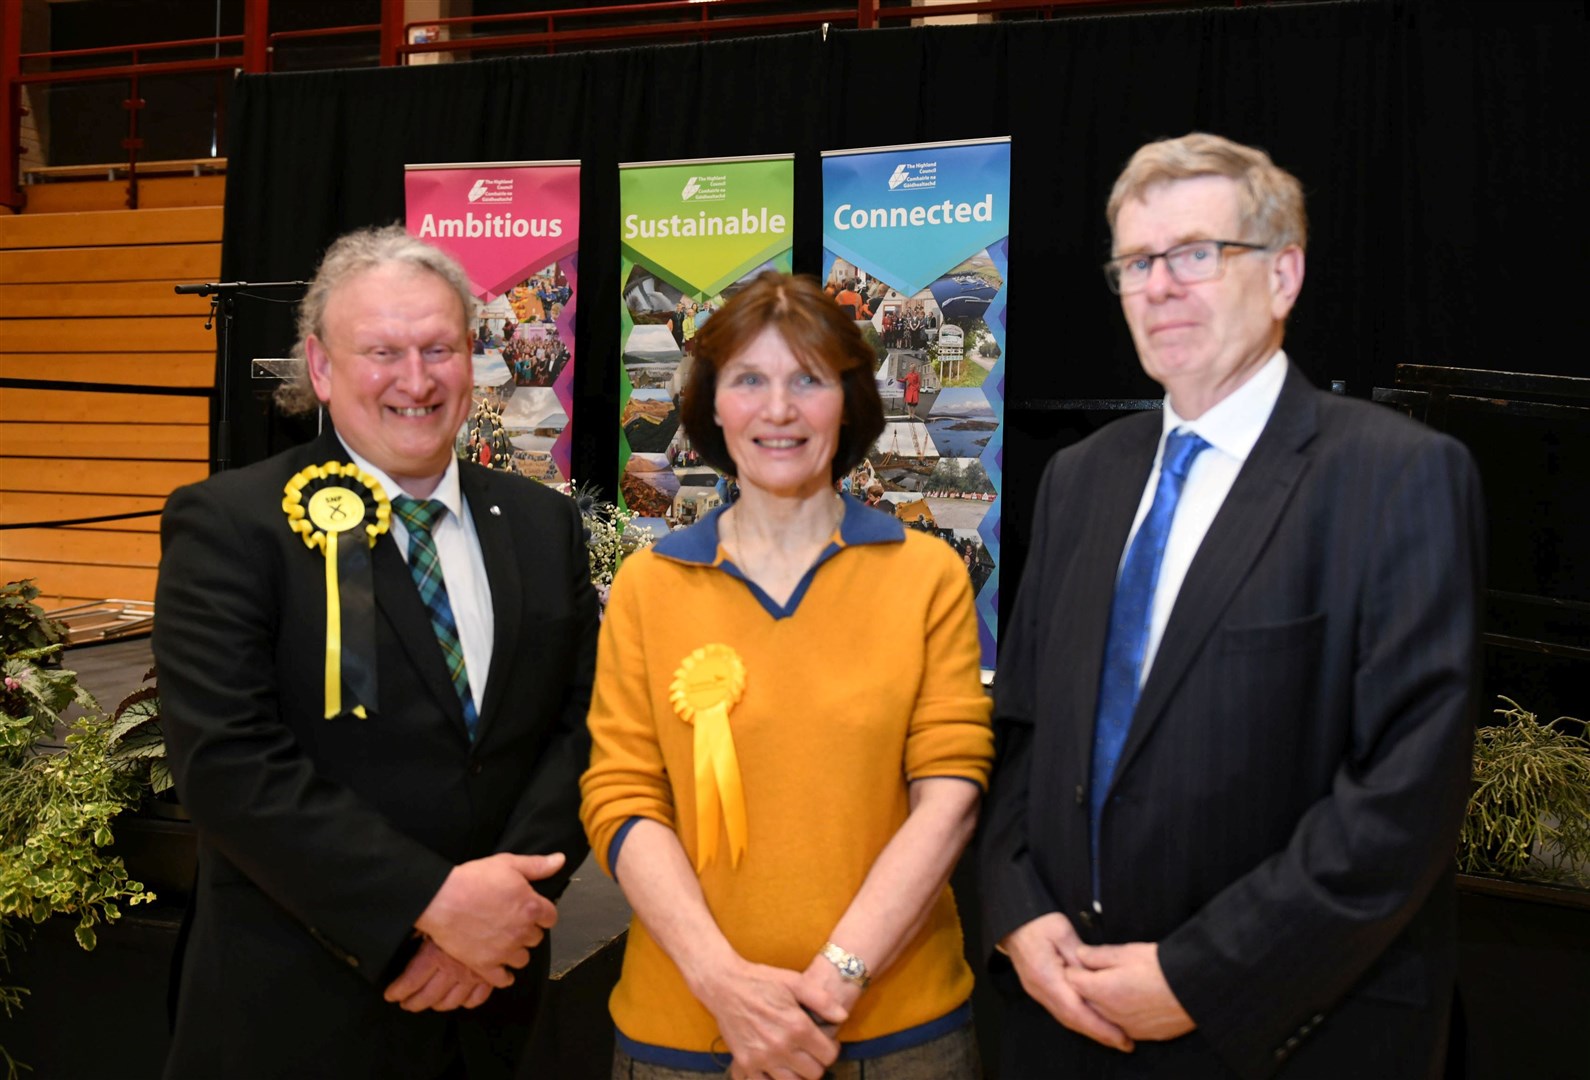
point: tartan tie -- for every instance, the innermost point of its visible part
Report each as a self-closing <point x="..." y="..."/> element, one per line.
<point x="419" y="516"/>
<point x="1130" y="614"/>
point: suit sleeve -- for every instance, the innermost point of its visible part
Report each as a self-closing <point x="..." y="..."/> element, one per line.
<point x="547" y="816"/>
<point x="1012" y="893"/>
<point x="313" y="846"/>
<point x="1289" y="939"/>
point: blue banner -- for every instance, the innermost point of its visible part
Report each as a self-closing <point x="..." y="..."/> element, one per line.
<point x="916" y="245"/>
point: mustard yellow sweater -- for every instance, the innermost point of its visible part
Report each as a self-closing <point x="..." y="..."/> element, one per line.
<point x="866" y="680"/>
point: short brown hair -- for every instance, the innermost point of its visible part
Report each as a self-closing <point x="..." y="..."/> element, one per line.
<point x="820" y="335"/>
<point x="1269" y="199"/>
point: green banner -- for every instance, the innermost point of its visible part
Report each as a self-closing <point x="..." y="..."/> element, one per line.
<point x="690" y="233"/>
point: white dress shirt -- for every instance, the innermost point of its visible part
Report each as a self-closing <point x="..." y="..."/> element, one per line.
<point x="1230" y="428"/>
<point x="463" y="567"/>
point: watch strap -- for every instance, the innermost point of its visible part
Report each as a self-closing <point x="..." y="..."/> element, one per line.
<point x="851" y="968"/>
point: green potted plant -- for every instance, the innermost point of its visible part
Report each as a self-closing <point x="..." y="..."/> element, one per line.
<point x="56" y="805"/>
<point x="138" y="746"/>
<point x="1523" y="906"/>
<point x="154" y="836"/>
<point x="1528" y="817"/>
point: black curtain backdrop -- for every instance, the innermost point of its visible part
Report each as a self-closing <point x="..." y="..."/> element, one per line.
<point x="1442" y="146"/>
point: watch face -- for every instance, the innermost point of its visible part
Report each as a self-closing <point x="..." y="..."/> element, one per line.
<point x="851" y="968"/>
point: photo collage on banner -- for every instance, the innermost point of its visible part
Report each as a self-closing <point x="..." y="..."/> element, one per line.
<point x="915" y="245"/>
<point x="692" y="233"/>
<point x="514" y="226"/>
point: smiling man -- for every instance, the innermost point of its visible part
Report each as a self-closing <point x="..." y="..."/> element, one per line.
<point x="1235" y="702"/>
<point x="375" y="662"/>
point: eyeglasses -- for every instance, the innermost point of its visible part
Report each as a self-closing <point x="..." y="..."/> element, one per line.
<point x="1201" y="260"/>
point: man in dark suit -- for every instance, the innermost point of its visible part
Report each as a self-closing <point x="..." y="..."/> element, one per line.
<point x="387" y="801"/>
<point x="1235" y="701"/>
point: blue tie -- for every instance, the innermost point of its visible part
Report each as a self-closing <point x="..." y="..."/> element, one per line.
<point x="425" y="566"/>
<point x="1130" y="613"/>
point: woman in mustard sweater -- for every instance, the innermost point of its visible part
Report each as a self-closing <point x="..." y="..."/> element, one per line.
<point x="790" y="740"/>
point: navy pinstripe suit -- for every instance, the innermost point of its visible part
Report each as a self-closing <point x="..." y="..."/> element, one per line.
<point x="1283" y="815"/>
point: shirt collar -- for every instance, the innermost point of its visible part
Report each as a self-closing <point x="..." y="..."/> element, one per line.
<point x="447" y="490"/>
<point x="1234" y="424"/>
<point x="698" y="544"/>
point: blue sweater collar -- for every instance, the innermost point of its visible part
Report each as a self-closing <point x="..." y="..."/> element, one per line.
<point x="699" y="543"/>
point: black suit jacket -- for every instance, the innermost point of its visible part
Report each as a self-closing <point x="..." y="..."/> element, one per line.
<point x="321" y="841"/>
<point x="1283" y="815"/>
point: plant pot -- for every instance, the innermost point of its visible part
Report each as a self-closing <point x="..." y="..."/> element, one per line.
<point x="1523" y="950"/>
<point x="94" y="1014"/>
<point x="159" y="850"/>
<point x="162" y="810"/>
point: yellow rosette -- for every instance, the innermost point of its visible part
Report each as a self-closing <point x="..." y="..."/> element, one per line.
<point x="321" y="503"/>
<point x="708" y="683"/>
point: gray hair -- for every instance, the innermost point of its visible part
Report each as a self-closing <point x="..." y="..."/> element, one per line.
<point x="350" y="255"/>
<point x="1269" y="199"/>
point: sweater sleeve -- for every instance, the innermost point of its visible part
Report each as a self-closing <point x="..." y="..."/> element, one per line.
<point x="950" y="733"/>
<point x="626" y="778"/>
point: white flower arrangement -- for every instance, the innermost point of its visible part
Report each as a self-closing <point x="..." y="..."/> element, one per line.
<point x="608" y="535"/>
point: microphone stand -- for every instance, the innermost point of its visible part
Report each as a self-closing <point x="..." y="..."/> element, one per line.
<point x="223" y="298"/>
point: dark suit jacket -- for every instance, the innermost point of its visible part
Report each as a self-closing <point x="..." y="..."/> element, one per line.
<point x="1283" y="816"/>
<point x="321" y="841"/>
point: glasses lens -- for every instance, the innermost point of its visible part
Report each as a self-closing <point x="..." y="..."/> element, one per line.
<point x="1197" y="261"/>
<point x="1129" y="274"/>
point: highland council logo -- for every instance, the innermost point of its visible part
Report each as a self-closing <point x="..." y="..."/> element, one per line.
<point x="914" y="176"/>
<point x="486" y="190"/>
<point x="705" y="189"/>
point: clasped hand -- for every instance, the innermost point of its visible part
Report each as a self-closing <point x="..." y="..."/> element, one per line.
<point x="1113" y="994"/>
<point x="433" y="980"/>
<point x="766" y="1018"/>
<point x="480" y="925"/>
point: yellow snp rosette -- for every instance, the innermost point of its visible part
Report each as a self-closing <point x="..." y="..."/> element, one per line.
<point x="708" y="683"/>
<point x="321" y="503"/>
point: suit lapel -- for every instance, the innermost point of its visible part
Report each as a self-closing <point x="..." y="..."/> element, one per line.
<point x="1236" y="539"/>
<point x="400" y="603"/>
<point x="502" y="574"/>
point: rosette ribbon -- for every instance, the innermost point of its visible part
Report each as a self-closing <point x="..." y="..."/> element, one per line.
<point x="708" y="683"/>
<point x="322" y="503"/>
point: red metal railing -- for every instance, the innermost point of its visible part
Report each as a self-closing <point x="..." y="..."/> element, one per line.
<point x="134" y="71"/>
<point x="673" y="19"/>
<point x="10" y="103"/>
<point x="254" y="50"/>
<point x="664" y="19"/>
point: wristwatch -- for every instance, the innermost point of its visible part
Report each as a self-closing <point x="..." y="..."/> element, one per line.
<point x="852" y="968"/>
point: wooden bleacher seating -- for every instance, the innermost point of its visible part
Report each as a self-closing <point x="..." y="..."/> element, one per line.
<point x="86" y="297"/>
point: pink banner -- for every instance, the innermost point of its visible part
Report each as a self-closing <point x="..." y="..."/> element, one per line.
<point x="501" y="221"/>
<point x="515" y="230"/>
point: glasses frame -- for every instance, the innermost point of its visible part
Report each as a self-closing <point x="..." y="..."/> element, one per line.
<point x="1112" y="267"/>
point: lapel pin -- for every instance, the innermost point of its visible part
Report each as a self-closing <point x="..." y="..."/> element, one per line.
<point x="496" y="511"/>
